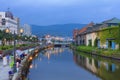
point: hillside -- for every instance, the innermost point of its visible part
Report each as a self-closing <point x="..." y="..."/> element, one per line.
<point x="56" y="30"/>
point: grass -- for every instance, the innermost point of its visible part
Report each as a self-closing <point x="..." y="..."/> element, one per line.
<point x="86" y="48"/>
<point x="9" y="47"/>
<point x="106" y="52"/>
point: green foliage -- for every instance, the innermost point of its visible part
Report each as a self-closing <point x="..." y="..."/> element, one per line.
<point x="7" y="36"/>
<point x="108" y="52"/>
<point x="90" y="43"/>
<point x="6" y="47"/>
<point x="110" y="32"/>
<point x="85" y="48"/>
<point x="95" y="42"/>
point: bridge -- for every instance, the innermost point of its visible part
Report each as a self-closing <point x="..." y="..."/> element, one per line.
<point x="62" y="44"/>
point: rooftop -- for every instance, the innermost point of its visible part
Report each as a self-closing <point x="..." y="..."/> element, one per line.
<point x="86" y="27"/>
<point x="113" y="20"/>
<point x="8" y="14"/>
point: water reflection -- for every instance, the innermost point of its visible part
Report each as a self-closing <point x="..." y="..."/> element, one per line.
<point x="52" y="51"/>
<point x="106" y="69"/>
<point x="47" y="53"/>
<point x="58" y="64"/>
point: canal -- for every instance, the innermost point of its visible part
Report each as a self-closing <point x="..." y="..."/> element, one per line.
<point x="65" y="64"/>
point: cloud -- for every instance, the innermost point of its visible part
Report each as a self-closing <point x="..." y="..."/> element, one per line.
<point x="64" y="11"/>
<point x="59" y="3"/>
<point x="38" y="2"/>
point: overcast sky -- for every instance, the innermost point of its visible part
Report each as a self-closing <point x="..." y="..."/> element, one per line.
<point x="47" y="12"/>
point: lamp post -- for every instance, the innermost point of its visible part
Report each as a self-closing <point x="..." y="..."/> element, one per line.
<point x="28" y="39"/>
<point x="29" y="42"/>
<point x="21" y="31"/>
<point x="14" y="51"/>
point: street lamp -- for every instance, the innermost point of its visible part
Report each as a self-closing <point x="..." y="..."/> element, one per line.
<point x="21" y="30"/>
<point x="28" y="41"/>
<point x="8" y="31"/>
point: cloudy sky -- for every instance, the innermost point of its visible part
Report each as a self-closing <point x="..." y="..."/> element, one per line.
<point x="47" y="12"/>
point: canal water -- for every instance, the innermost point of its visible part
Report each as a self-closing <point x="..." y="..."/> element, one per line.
<point x="65" y="64"/>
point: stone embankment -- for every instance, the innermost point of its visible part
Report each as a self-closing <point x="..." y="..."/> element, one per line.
<point x="26" y="62"/>
<point x="96" y="54"/>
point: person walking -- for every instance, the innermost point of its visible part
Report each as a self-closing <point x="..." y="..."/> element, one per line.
<point x="8" y="59"/>
<point x="4" y="60"/>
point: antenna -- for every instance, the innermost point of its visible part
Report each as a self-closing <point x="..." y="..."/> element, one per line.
<point x="8" y="9"/>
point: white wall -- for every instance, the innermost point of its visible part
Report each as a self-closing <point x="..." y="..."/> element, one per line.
<point x="90" y="36"/>
<point x="2" y="14"/>
<point x="10" y="23"/>
<point x="27" y="29"/>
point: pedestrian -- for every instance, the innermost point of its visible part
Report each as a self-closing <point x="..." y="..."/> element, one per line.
<point x="8" y="59"/>
<point x="19" y="52"/>
<point x="17" y="66"/>
<point x="4" y="60"/>
<point x="11" y="61"/>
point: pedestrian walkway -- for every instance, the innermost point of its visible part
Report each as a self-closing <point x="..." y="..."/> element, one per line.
<point x="28" y="50"/>
<point x="4" y="71"/>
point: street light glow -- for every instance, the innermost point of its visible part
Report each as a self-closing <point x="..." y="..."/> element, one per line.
<point x="7" y="30"/>
<point x="21" y="30"/>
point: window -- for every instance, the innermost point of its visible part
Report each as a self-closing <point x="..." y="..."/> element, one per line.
<point x="3" y="21"/>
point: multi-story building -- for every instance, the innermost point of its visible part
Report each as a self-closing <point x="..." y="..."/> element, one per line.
<point x="7" y="20"/>
<point x="27" y="30"/>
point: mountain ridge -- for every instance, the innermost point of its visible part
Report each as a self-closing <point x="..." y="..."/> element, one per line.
<point x="58" y="24"/>
<point x="56" y="29"/>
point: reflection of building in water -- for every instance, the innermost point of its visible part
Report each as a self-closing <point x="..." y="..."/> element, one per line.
<point x="99" y="67"/>
<point x="54" y="51"/>
<point x="85" y="62"/>
<point x="91" y="66"/>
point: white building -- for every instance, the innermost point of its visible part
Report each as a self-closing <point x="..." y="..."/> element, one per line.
<point x="27" y="30"/>
<point x="7" y="20"/>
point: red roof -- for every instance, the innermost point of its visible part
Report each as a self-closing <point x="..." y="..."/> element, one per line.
<point x="85" y="28"/>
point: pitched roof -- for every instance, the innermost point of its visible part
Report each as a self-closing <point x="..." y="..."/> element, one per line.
<point x="96" y="27"/>
<point x="85" y="28"/>
<point x="113" y="20"/>
<point x="90" y="24"/>
<point x="99" y="26"/>
<point x="82" y="30"/>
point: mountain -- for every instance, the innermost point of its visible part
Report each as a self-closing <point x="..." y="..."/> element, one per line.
<point x="64" y="30"/>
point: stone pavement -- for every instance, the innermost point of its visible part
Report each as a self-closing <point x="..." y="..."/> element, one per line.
<point x="4" y="71"/>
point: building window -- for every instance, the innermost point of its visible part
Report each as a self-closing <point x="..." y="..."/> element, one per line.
<point x="3" y="21"/>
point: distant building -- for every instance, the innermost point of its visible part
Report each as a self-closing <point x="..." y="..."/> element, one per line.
<point x="75" y="34"/>
<point x="7" y="20"/>
<point x="27" y="30"/>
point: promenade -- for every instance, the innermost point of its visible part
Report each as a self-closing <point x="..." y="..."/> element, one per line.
<point x="5" y="69"/>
